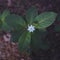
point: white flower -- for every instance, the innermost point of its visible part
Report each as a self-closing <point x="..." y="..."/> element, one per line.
<point x="31" y="28"/>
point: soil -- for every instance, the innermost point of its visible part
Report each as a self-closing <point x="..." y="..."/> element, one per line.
<point x="19" y="7"/>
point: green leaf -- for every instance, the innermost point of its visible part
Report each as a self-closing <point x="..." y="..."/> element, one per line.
<point x="3" y="24"/>
<point x="57" y="28"/>
<point x="0" y="16"/>
<point x="38" y="40"/>
<point x="16" y="35"/>
<point x="15" y="20"/>
<point x="31" y="14"/>
<point x="4" y="15"/>
<point x="0" y="24"/>
<point x="24" y="41"/>
<point x="5" y="27"/>
<point x="45" y="19"/>
<point x="58" y="18"/>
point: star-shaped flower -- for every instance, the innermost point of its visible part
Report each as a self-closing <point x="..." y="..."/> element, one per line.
<point x="31" y="28"/>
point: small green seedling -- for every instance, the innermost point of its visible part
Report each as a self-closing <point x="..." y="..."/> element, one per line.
<point x="29" y="31"/>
